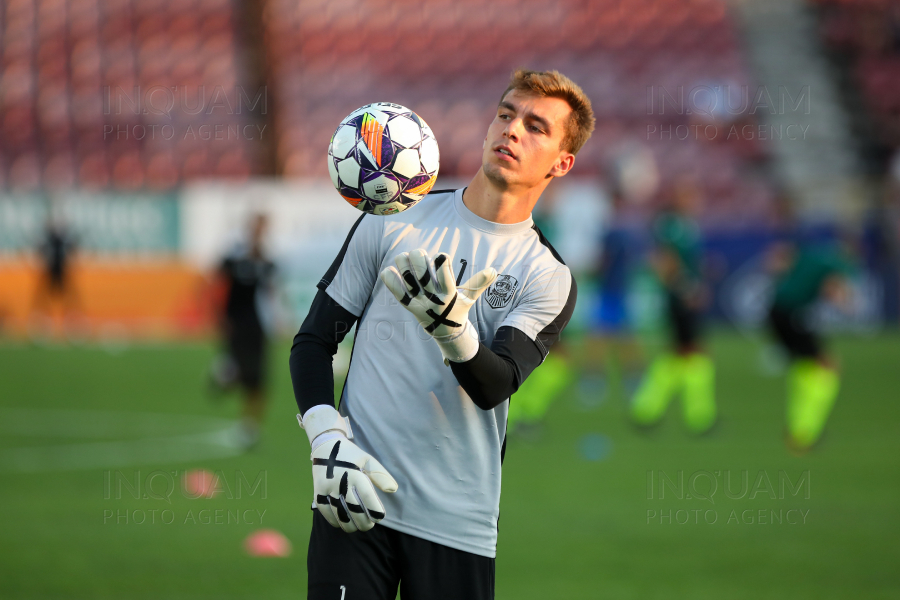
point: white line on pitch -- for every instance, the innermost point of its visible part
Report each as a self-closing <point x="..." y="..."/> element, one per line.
<point x="157" y="438"/>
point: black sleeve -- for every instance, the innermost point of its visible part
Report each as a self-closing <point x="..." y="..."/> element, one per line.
<point x="326" y="325"/>
<point x="314" y="348"/>
<point x="497" y="372"/>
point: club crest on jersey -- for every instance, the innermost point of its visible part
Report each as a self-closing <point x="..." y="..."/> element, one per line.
<point x="501" y="291"/>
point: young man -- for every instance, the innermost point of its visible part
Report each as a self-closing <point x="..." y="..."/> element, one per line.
<point x="804" y="276"/>
<point x="423" y="411"/>
<point x="686" y="368"/>
<point x="246" y="274"/>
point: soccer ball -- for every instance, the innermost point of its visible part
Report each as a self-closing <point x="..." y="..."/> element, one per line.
<point x="383" y="158"/>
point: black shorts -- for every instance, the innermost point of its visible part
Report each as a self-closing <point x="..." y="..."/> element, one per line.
<point x="247" y="347"/>
<point x="684" y="322"/>
<point x="794" y="334"/>
<point x="371" y="565"/>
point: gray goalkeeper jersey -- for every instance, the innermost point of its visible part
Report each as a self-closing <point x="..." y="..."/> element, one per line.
<point x="406" y="407"/>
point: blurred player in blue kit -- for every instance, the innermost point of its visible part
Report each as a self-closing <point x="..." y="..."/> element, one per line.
<point x="611" y="343"/>
<point x="247" y="274"/>
<point x="473" y="298"/>
<point x="537" y="393"/>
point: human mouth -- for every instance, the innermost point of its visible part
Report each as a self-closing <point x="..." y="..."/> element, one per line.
<point x="504" y="152"/>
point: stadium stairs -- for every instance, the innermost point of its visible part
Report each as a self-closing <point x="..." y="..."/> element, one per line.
<point x="823" y="173"/>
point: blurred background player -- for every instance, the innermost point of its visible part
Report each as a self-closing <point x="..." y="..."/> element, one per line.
<point x="245" y="275"/>
<point x="685" y="367"/>
<point x="611" y="345"/>
<point x="807" y="273"/>
<point x="531" y="402"/>
<point x="55" y="291"/>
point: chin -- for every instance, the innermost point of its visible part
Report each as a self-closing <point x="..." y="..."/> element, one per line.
<point x="496" y="175"/>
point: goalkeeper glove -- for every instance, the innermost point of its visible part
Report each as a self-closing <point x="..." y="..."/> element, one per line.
<point x="427" y="289"/>
<point x="342" y="473"/>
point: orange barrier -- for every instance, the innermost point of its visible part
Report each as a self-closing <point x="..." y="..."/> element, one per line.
<point x="144" y="298"/>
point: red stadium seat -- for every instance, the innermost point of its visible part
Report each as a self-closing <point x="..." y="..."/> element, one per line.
<point x="80" y="90"/>
<point x="70" y="73"/>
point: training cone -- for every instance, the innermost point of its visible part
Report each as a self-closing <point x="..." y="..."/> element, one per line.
<point x="267" y="542"/>
<point x="199" y="483"/>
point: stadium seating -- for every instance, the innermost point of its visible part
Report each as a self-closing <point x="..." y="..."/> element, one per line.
<point x="105" y="94"/>
<point x="868" y="32"/>
<point x="450" y="61"/>
<point x="71" y="115"/>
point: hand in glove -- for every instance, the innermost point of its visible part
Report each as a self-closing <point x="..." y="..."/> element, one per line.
<point x="343" y="475"/>
<point x="428" y="290"/>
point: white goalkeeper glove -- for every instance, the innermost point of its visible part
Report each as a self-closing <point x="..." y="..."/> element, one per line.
<point x="427" y="289"/>
<point x="342" y="473"/>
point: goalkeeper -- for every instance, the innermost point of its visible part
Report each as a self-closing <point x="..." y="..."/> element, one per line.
<point x="455" y="303"/>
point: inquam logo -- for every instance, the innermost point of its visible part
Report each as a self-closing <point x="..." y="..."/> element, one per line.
<point x="710" y="487"/>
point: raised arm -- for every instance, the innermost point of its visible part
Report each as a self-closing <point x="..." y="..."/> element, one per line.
<point x="496" y="373"/>
<point x="488" y="375"/>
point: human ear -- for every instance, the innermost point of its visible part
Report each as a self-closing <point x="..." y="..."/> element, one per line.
<point x="563" y="165"/>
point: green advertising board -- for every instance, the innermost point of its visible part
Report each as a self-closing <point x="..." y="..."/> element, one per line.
<point x="99" y="223"/>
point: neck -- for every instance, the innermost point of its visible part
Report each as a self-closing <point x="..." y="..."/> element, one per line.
<point x="505" y="206"/>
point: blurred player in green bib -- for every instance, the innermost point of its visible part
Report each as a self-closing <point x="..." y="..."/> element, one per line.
<point x="807" y="275"/>
<point x="684" y="368"/>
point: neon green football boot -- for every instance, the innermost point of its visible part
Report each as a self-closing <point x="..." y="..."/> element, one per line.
<point x="813" y="388"/>
<point x="698" y="399"/>
<point x="662" y="380"/>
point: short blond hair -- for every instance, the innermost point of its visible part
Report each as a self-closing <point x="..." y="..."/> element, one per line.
<point x="554" y="84"/>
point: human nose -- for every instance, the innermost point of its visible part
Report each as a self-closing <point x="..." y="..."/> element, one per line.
<point x="512" y="129"/>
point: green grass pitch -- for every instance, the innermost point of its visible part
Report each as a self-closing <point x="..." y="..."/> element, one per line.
<point x="570" y="527"/>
